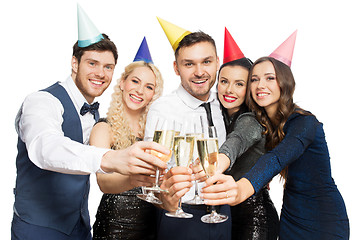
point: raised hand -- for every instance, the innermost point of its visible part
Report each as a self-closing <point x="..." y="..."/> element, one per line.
<point x="134" y="159"/>
<point x="177" y="181"/>
<point x="226" y="190"/>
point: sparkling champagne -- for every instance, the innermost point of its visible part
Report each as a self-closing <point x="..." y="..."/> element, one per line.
<point x="208" y="154"/>
<point x="196" y="137"/>
<point x="165" y="138"/>
<point x="183" y="150"/>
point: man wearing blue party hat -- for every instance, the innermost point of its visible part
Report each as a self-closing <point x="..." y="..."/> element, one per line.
<point x="54" y="161"/>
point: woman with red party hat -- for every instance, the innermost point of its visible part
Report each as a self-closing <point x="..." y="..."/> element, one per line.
<point x="313" y="207"/>
<point x="256" y="218"/>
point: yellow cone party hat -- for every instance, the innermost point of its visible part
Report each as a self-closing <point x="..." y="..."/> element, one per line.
<point x="174" y="33"/>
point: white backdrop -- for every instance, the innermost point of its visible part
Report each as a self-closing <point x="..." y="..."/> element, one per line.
<point x="36" y="46"/>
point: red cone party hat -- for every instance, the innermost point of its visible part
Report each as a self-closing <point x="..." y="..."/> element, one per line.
<point x="231" y="49"/>
<point x="284" y="52"/>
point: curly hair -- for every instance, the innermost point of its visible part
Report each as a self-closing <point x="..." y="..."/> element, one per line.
<point x="274" y="130"/>
<point x="122" y="135"/>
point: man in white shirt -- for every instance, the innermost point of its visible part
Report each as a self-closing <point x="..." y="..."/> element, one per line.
<point x="54" y="160"/>
<point x="196" y="62"/>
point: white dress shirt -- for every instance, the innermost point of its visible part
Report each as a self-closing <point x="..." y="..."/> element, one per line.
<point x="181" y="106"/>
<point x="38" y="124"/>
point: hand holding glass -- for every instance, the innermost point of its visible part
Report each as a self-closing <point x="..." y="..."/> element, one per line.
<point x="208" y="153"/>
<point x="183" y="152"/>
<point x="164" y="135"/>
<point x="197" y="131"/>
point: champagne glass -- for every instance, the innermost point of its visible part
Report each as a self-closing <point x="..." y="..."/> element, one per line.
<point x="208" y="153"/>
<point x="197" y="131"/>
<point x="146" y="195"/>
<point x="164" y="135"/>
<point x="183" y="152"/>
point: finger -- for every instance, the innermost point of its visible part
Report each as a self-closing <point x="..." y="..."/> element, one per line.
<point x="228" y="201"/>
<point x="226" y="197"/>
<point x="214" y="179"/>
<point x="177" y="179"/>
<point x="135" y="170"/>
<point x="178" y="190"/>
<point x="148" y="160"/>
<point x="180" y="171"/>
<point x="155" y="146"/>
<point x="177" y="171"/>
<point x="214" y="189"/>
<point x="196" y="168"/>
<point x="171" y="200"/>
<point x="200" y="176"/>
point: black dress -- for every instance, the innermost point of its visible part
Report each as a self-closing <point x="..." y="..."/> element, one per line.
<point x="124" y="216"/>
<point x="256" y="218"/>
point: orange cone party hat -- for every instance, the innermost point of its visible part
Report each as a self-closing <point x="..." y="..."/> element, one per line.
<point x="231" y="49"/>
<point x="284" y="52"/>
<point x="174" y="33"/>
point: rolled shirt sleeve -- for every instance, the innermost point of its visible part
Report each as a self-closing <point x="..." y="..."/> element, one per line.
<point x="39" y="126"/>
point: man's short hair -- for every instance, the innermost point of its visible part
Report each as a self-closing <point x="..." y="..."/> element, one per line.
<point x="104" y="45"/>
<point x="194" y="38"/>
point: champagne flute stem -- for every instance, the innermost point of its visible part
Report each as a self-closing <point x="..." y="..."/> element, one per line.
<point x="196" y="188"/>
<point x="179" y="204"/>
<point x="213" y="210"/>
<point x="157" y="175"/>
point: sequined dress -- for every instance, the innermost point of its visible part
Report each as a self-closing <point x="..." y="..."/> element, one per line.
<point x="124" y="216"/>
<point x="256" y="218"/>
<point x="313" y="207"/>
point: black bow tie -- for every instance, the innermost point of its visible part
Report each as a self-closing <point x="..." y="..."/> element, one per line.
<point x="93" y="109"/>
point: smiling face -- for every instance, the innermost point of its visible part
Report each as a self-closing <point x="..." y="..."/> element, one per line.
<point x="138" y="88"/>
<point x="232" y="87"/>
<point x="94" y="73"/>
<point x="197" y="65"/>
<point x="264" y="87"/>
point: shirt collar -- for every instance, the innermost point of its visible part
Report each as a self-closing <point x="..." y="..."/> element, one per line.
<point x="75" y="93"/>
<point x="190" y="100"/>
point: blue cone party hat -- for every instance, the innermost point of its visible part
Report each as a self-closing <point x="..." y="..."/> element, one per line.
<point x="87" y="32"/>
<point x="143" y="54"/>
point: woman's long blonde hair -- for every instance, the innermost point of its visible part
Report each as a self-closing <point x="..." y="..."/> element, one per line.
<point x="122" y="135"/>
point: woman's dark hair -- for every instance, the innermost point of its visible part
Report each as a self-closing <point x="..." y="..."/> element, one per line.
<point x="244" y="62"/>
<point x="274" y="130"/>
<point x="104" y="45"/>
<point x="194" y="38"/>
